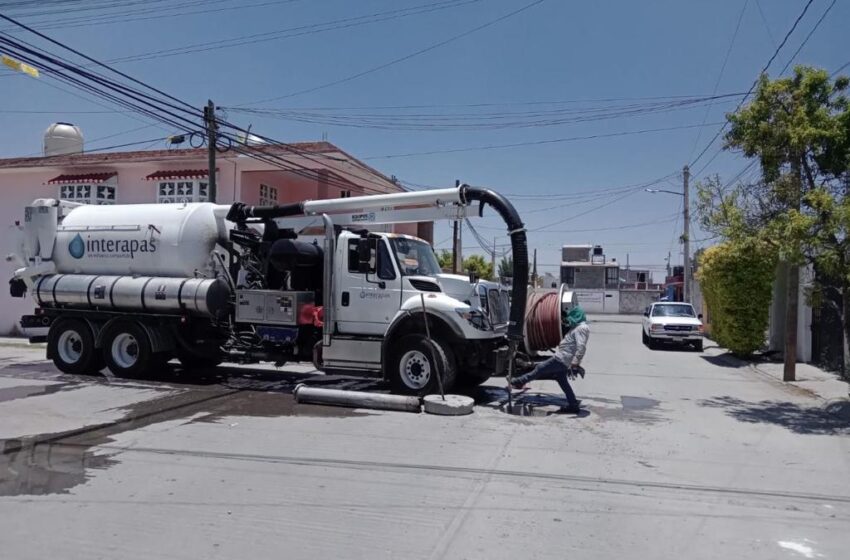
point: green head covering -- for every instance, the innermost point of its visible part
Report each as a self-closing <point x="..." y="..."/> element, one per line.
<point x="576" y="316"/>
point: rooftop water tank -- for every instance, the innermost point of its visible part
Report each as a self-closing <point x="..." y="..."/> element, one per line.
<point x="63" y="138"/>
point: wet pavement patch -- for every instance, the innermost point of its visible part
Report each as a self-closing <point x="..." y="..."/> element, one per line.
<point x="632" y="409"/>
<point x="26" y="391"/>
<point x="57" y="462"/>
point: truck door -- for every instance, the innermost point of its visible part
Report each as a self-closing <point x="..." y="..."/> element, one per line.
<point x="367" y="301"/>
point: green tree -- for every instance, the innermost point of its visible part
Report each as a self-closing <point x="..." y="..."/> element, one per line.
<point x="506" y="267"/>
<point x="798" y="129"/>
<point x="444" y="258"/>
<point x="480" y="267"/>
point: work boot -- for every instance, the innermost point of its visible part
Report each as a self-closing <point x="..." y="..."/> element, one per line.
<point x="572" y="408"/>
<point x="517" y="383"/>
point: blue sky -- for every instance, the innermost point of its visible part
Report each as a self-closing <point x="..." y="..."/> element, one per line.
<point x="555" y="51"/>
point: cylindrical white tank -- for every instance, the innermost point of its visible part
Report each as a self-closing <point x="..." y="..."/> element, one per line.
<point x="63" y="138"/>
<point x="138" y="239"/>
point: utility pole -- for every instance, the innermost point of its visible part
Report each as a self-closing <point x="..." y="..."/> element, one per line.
<point x="454" y="247"/>
<point x="209" y="121"/>
<point x="534" y="271"/>
<point x="686" y="288"/>
<point x="789" y="372"/>
<point x="669" y="270"/>
<point x="493" y="261"/>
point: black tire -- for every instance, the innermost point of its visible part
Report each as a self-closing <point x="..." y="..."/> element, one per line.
<point x="698" y="345"/>
<point x="127" y="351"/>
<point x="414" y="364"/>
<point x="70" y="344"/>
<point x="644" y="338"/>
<point x="651" y="343"/>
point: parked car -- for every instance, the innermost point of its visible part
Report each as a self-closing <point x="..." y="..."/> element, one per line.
<point x="674" y="322"/>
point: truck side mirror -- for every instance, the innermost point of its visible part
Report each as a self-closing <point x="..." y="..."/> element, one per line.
<point x="699" y="316"/>
<point x="364" y="255"/>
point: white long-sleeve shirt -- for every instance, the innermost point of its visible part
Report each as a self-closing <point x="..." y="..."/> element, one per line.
<point x="572" y="348"/>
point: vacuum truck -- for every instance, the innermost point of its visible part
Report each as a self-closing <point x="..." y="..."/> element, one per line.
<point x="131" y="287"/>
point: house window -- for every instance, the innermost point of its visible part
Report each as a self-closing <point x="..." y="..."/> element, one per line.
<point x="268" y="195"/>
<point x="88" y="194"/>
<point x="182" y="191"/>
<point x="612" y="276"/>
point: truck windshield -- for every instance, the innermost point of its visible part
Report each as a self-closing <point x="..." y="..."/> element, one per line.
<point x="673" y="310"/>
<point x="415" y="257"/>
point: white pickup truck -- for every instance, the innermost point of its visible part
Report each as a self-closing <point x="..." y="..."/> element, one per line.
<point x="674" y="322"/>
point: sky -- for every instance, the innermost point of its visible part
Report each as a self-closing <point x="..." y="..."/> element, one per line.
<point x="445" y="63"/>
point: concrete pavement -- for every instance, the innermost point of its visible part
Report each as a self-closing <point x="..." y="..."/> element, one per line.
<point x="682" y="455"/>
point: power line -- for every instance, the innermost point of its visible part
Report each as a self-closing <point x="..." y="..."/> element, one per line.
<point x="722" y="70"/>
<point x="754" y="84"/>
<point x="766" y="26"/>
<point x="542" y="142"/>
<point x="298" y="31"/>
<point x="404" y="58"/>
<point x="809" y="36"/>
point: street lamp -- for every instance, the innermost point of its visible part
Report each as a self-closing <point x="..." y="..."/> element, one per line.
<point x="686" y="291"/>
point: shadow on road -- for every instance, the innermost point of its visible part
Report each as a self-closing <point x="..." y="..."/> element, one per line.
<point x="724" y="360"/>
<point x="833" y="419"/>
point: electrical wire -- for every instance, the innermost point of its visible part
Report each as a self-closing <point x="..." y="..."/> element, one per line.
<point x="541" y="142"/>
<point x="720" y="74"/>
<point x="809" y="36"/>
<point x="400" y="59"/>
<point x="753" y="86"/>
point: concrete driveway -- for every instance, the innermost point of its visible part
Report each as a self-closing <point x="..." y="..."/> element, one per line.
<point x="681" y="455"/>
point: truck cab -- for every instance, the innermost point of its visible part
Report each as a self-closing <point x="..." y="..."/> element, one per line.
<point x="386" y="287"/>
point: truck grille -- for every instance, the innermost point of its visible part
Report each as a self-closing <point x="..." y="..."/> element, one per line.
<point x="678" y="328"/>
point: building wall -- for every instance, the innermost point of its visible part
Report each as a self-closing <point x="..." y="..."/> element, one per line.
<point x="776" y="329"/>
<point x="598" y="301"/>
<point x="634" y="302"/>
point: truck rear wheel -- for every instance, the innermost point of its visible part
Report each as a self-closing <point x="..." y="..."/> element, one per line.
<point x="416" y="362"/>
<point x="70" y="344"/>
<point x="127" y="350"/>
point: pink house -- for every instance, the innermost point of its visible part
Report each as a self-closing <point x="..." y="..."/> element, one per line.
<point x="309" y="170"/>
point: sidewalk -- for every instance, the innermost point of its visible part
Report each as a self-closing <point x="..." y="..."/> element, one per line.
<point x="824" y="385"/>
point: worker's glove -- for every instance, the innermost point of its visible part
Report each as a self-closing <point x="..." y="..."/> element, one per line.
<point x="576" y="371"/>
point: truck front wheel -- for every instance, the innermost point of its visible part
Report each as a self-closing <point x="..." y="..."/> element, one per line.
<point x="70" y="344"/>
<point x="127" y="350"/>
<point x="416" y="362"/>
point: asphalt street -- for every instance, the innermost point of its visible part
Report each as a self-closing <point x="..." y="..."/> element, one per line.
<point x="679" y="455"/>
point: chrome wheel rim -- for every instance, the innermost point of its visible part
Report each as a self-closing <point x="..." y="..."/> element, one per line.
<point x="125" y="350"/>
<point x="415" y="369"/>
<point x="70" y="347"/>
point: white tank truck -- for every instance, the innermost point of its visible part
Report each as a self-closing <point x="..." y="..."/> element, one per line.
<point x="133" y="286"/>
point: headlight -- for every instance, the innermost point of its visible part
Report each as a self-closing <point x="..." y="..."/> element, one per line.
<point x="474" y="317"/>
<point x="656" y="327"/>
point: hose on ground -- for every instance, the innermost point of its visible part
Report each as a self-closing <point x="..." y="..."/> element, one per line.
<point x="543" y="321"/>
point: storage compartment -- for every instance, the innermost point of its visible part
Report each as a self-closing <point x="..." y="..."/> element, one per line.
<point x="274" y="307"/>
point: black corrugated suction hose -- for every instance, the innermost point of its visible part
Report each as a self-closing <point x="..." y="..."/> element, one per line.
<point x="519" y="245"/>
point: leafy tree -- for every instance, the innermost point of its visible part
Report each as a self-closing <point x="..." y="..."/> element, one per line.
<point x="798" y="129"/>
<point x="506" y="267"/>
<point x="479" y="266"/>
<point x="444" y="258"/>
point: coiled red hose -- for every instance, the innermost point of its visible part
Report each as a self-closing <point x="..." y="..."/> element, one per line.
<point x="543" y="321"/>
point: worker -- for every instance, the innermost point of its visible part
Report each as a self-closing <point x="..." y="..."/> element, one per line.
<point x="566" y="361"/>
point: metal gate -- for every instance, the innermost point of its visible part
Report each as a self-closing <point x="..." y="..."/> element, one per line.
<point x="827" y="333"/>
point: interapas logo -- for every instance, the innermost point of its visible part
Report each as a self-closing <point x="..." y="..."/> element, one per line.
<point x="109" y="248"/>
